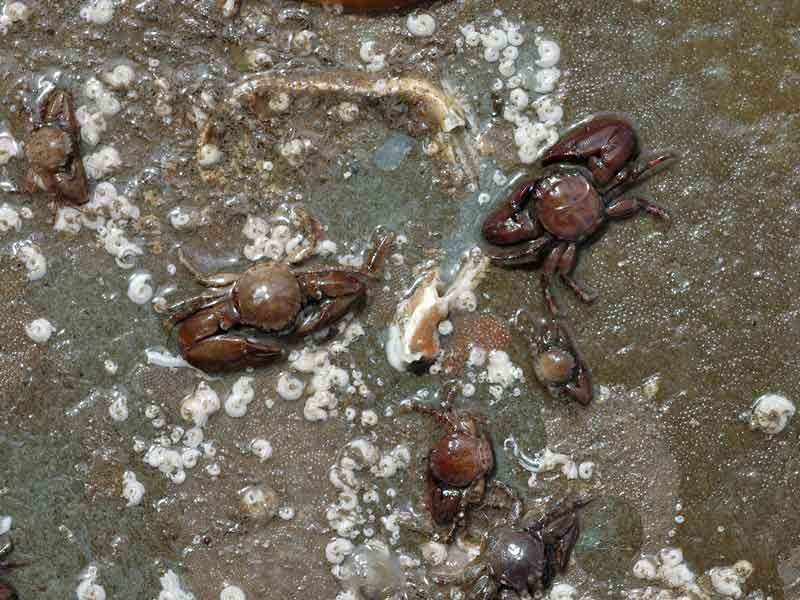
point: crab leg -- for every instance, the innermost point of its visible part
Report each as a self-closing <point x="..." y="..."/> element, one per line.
<point x="182" y="310"/>
<point x="630" y="205"/>
<point x="565" y="266"/>
<point x="511" y="501"/>
<point x="636" y="173"/>
<point x="468" y="574"/>
<point x="335" y="293"/>
<point x="546" y="278"/>
<point x="444" y="417"/>
<point x="215" y="280"/>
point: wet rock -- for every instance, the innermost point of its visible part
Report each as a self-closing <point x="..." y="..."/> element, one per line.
<point x="610" y="539"/>
<point x="393" y="152"/>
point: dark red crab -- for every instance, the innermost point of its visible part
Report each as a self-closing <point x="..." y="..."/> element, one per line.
<point x="458" y="463"/>
<point x="598" y="161"/>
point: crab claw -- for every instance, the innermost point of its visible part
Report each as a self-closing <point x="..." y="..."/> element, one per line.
<point x="227" y="352"/>
<point x="603" y="144"/>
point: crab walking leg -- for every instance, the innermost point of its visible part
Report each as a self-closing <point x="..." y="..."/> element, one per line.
<point x="184" y="309"/>
<point x="636" y="173"/>
<point x="631" y="205"/>
<point x="472" y="495"/>
<point x="333" y="294"/>
<point x="546" y="278"/>
<point x="214" y="280"/>
<point x="464" y="576"/>
<point x="565" y="266"/>
<point x="444" y="417"/>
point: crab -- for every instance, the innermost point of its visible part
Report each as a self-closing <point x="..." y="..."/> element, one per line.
<point x="597" y="161"/>
<point x="53" y="151"/>
<point x="271" y="297"/>
<point x="7" y="591"/>
<point x="518" y="558"/>
<point x="558" y="366"/>
<point x="458" y="463"/>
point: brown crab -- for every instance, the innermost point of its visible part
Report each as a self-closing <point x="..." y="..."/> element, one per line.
<point x="53" y="151"/>
<point x="271" y="297"/>
<point x="458" y="463"/>
<point x="565" y="209"/>
<point x="558" y="366"/>
<point x="522" y="559"/>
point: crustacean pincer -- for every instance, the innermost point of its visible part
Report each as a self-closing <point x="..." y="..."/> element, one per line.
<point x="271" y="297"/>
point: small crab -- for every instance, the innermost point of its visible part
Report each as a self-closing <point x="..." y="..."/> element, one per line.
<point x="7" y="591"/>
<point x="566" y="208"/>
<point x="558" y="366"/>
<point x="523" y="559"/>
<point x="458" y="463"/>
<point x="53" y="151"/>
<point x="271" y="297"/>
